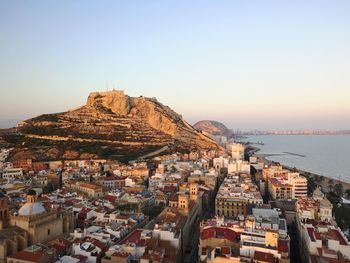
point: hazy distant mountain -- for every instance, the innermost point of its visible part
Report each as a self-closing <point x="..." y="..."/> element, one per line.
<point x="110" y="125"/>
<point x="213" y="128"/>
<point x="7" y="123"/>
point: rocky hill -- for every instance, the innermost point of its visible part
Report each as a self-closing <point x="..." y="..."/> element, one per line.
<point x="213" y="128"/>
<point x="110" y="125"/>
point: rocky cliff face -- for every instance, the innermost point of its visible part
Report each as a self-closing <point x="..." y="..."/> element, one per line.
<point x="116" y="101"/>
<point x="213" y="128"/>
<point x="110" y="125"/>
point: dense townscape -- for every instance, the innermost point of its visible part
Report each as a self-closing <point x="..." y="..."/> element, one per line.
<point x="204" y="206"/>
<point x="174" y="131"/>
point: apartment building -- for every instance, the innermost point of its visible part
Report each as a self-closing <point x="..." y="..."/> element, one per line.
<point x="233" y="198"/>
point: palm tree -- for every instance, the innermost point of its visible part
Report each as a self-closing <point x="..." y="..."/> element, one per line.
<point x="330" y="185"/>
<point x="338" y="188"/>
<point x="347" y="193"/>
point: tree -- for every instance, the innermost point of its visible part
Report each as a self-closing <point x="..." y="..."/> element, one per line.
<point x="153" y="211"/>
<point x="48" y="188"/>
<point x="146" y="183"/>
<point x="311" y="185"/>
<point x="338" y="188"/>
<point x="347" y="193"/>
<point x="330" y="185"/>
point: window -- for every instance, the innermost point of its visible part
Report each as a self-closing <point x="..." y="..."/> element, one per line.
<point x="48" y="232"/>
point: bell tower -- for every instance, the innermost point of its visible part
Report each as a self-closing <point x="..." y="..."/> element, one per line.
<point x="4" y="210"/>
<point x="194" y="191"/>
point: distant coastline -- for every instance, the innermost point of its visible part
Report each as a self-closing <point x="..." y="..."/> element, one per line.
<point x="312" y="133"/>
<point x="324" y="184"/>
<point x="321" y="155"/>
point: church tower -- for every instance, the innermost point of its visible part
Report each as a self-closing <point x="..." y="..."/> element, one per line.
<point x="4" y="210"/>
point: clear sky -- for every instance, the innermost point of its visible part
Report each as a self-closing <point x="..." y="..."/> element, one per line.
<point x="250" y="64"/>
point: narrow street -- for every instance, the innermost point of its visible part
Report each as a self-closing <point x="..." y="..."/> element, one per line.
<point x="193" y="246"/>
<point x="192" y="255"/>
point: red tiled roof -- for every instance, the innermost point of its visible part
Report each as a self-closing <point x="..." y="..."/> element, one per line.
<point x="283" y="246"/>
<point x="335" y="233"/>
<point x="29" y="256"/>
<point x="263" y="257"/>
<point x="58" y="247"/>
<point x="174" y="197"/>
<point x="169" y="188"/>
<point x="225" y="251"/>
<point x="120" y="254"/>
<point x="277" y="182"/>
<point x="311" y="233"/>
<point x="91" y="186"/>
<point x="115" y="178"/>
<point x="110" y="198"/>
<point x="134" y="237"/>
<point x="219" y="232"/>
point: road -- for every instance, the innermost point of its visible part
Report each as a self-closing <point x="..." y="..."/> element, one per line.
<point x="157" y="152"/>
<point x="192" y="256"/>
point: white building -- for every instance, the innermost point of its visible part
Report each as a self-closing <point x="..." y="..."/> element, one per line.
<point x="299" y="184"/>
<point x="237" y="151"/>
<point x="264" y="232"/>
<point x="239" y="166"/>
<point x="11" y="173"/>
<point x="87" y="249"/>
<point x="220" y="162"/>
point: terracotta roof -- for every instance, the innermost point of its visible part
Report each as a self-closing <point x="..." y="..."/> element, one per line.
<point x="334" y="233"/>
<point x="226" y="250"/>
<point x="36" y="256"/>
<point x="115" y="178"/>
<point x="277" y="182"/>
<point x="134" y="237"/>
<point x="311" y="233"/>
<point x="174" y="197"/>
<point x="219" y="232"/>
<point x="169" y="188"/>
<point x="90" y="185"/>
<point x="263" y="257"/>
<point x="120" y="254"/>
<point x="111" y="198"/>
<point x="283" y="246"/>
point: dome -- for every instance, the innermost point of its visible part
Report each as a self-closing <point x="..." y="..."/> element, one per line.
<point x="31" y="209"/>
<point x="317" y="194"/>
<point x="325" y="203"/>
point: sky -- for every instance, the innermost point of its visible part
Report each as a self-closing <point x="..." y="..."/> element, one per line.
<point x="249" y="64"/>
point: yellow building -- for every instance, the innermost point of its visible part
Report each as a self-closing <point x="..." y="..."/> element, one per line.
<point x="280" y="190"/>
<point x="40" y="224"/>
<point x="32" y="224"/>
<point x="12" y="239"/>
<point x="90" y="189"/>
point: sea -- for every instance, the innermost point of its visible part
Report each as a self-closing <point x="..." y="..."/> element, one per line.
<point x="327" y="155"/>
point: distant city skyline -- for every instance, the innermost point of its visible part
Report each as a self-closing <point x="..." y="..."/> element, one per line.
<point x="266" y="65"/>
